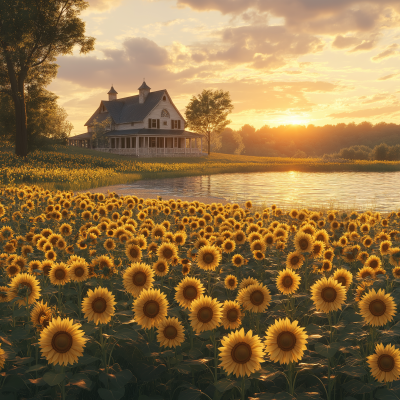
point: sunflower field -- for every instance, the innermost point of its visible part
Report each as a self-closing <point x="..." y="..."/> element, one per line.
<point x="118" y="297"/>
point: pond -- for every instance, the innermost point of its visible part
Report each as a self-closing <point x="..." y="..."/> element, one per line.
<point x="376" y="191"/>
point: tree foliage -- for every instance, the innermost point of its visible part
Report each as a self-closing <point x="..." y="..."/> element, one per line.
<point x="99" y="131"/>
<point x="32" y="34"/>
<point x="207" y="114"/>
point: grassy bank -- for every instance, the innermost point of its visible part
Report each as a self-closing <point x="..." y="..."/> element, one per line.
<point x="68" y="168"/>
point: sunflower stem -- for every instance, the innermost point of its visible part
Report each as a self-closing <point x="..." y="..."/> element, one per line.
<point x="80" y="299"/>
<point x="63" y="384"/>
<point x="243" y="388"/>
<point x="215" y="358"/>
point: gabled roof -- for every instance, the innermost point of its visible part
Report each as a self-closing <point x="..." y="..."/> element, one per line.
<point x="112" y="91"/>
<point x="128" y="109"/>
<point x="144" y="86"/>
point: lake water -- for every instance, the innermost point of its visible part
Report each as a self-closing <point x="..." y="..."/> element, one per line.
<point x="378" y="191"/>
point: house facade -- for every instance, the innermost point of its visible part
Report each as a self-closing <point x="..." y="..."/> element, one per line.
<point x="147" y="124"/>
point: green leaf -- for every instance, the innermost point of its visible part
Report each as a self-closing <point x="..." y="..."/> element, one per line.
<point x="224" y="385"/>
<point x="272" y="396"/>
<point x="126" y="334"/>
<point x="82" y="381"/>
<point x="190" y="394"/>
<point x="387" y="394"/>
<point x="37" y="367"/>
<point x="53" y="379"/>
<point x="357" y="387"/>
<point x="114" y="394"/>
<point x="327" y="351"/>
<point x="355" y="371"/>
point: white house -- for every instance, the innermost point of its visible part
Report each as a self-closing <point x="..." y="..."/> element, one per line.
<point x="147" y="124"/>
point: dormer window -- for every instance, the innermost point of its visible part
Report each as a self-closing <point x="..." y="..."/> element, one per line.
<point x="164" y="98"/>
<point x="165" y="113"/>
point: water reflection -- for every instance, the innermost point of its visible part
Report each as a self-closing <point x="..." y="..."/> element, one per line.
<point x="378" y="191"/>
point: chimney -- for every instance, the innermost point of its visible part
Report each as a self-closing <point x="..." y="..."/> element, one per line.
<point x="112" y="94"/>
<point x="144" y="90"/>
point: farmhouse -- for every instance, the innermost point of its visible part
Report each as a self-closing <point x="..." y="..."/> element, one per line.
<point x="147" y="124"/>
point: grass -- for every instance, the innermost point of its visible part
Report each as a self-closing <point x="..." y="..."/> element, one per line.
<point x="74" y="168"/>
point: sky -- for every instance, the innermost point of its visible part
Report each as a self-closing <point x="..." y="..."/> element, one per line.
<point x="283" y="61"/>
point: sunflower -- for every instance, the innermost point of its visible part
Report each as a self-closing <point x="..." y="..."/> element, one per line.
<point x="133" y="252"/>
<point x="41" y="314"/>
<point x="344" y="277"/>
<point x="396" y="272"/>
<point x="366" y="272"/>
<point x="328" y="295"/>
<point x="3" y="294"/>
<point x="237" y="260"/>
<point x="385" y="247"/>
<point x="188" y="290"/>
<point x="62" y="342"/>
<point x="361" y="289"/>
<point x="228" y="246"/>
<point x="157" y="232"/>
<point x="247" y="282"/>
<point x="303" y="242"/>
<point x="208" y="258"/>
<point x="294" y="260"/>
<point x="373" y="262"/>
<point x="79" y="271"/>
<point x="288" y="281"/>
<point x="239" y="237"/>
<point x="23" y="286"/>
<point x="322" y="235"/>
<point x="385" y="363"/>
<point x="150" y="308"/>
<point x="13" y="270"/>
<point x="167" y="251"/>
<point x="231" y="282"/>
<point x="205" y="314"/>
<point x="317" y="249"/>
<point x="231" y="315"/>
<point x="255" y="298"/>
<point x="98" y="305"/>
<point x="394" y="258"/>
<point x="367" y="241"/>
<point x="285" y="341"/>
<point x="170" y="332"/>
<point x="377" y="308"/>
<point x="138" y="277"/>
<point x="241" y="354"/>
<point x="328" y="254"/>
<point x="269" y="239"/>
<point x="161" y="267"/>
<point x="326" y="266"/>
<point x="59" y="274"/>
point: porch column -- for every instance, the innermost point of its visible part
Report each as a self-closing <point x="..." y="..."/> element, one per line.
<point x="148" y="144"/>
<point x="173" y="145"/>
<point x="164" y="144"/>
<point x="136" y="146"/>
<point x="190" y="144"/>
<point x="185" y="140"/>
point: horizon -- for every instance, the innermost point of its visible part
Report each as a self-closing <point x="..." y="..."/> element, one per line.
<point x="283" y="64"/>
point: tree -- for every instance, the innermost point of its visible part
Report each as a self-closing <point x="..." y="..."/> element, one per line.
<point x="32" y="34"/>
<point x="99" y="132"/>
<point x="207" y="114"/>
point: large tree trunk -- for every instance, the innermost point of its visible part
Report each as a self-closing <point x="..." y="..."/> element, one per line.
<point x="21" y="133"/>
<point x="209" y="143"/>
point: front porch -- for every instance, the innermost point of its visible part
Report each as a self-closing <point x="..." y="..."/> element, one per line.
<point x="154" y="146"/>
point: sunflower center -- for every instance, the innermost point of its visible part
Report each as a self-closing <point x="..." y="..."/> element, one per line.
<point x="241" y="353"/>
<point x="189" y="292"/>
<point x="139" y="278"/>
<point x="232" y="315"/>
<point x="257" y="297"/>
<point x="99" y="305"/>
<point x="79" y="272"/>
<point x="61" y="342"/>
<point x="287" y="281"/>
<point x="377" y="307"/>
<point x="168" y="253"/>
<point x="239" y="237"/>
<point x="286" y="341"/>
<point x="170" y="332"/>
<point x="257" y="246"/>
<point x="303" y="243"/>
<point x="28" y="286"/>
<point x="385" y="247"/>
<point x="13" y="269"/>
<point x="151" y="309"/>
<point x="386" y="362"/>
<point x="341" y="280"/>
<point x="133" y="252"/>
<point x="60" y="274"/>
<point x="205" y="314"/>
<point x="231" y="282"/>
<point x="208" y="258"/>
<point x="373" y="264"/>
<point x="328" y="294"/>
<point x="161" y="267"/>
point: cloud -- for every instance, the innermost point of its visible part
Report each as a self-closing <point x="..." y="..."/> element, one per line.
<point x="386" y="77"/>
<point x="342" y="42"/>
<point x="364" y="46"/>
<point x="390" y="51"/>
<point x="367" y="113"/>
<point x="102" y="5"/>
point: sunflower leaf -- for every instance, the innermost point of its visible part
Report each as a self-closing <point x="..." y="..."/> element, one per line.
<point x="114" y="394"/>
<point x="327" y="351"/>
<point x="53" y="379"/>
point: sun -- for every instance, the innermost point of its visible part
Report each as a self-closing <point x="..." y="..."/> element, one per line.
<point x="295" y="120"/>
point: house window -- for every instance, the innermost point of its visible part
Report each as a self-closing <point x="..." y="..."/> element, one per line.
<point x="154" y="123"/>
<point x="164" y="98"/>
<point x="165" y="113"/>
<point x="175" y="124"/>
<point x="165" y="123"/>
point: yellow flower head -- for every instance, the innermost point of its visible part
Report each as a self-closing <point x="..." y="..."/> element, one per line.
<point x="98" y="305"/>
<point x="385" y="363"/>
<point x="255" y="298"/>
<point x="328" y="295"/>
<point x="170" y="332"/>
<point x="288" y="281"/>
<point x="205" y="314"/>
<point x="150" y="308"/>
<point x="138" y="277"/>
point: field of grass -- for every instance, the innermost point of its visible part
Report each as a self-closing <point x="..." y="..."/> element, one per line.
<point x="116" y="298"/>
<point x="71" y="168"/>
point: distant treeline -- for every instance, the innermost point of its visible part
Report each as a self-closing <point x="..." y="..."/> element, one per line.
<point x="354" y="140"/>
